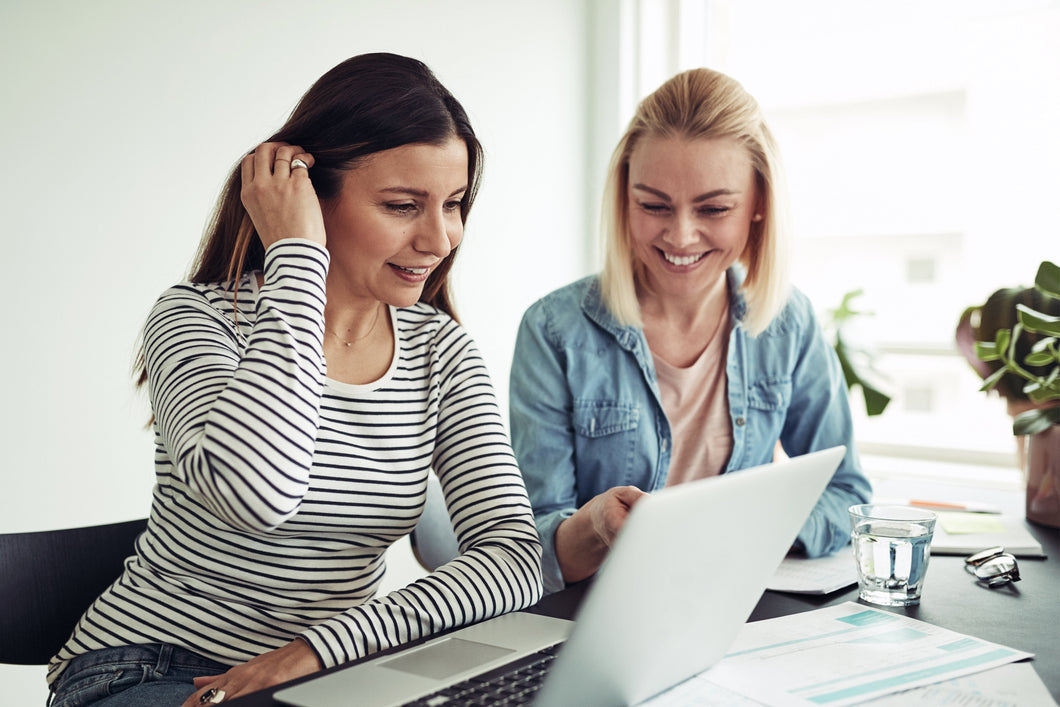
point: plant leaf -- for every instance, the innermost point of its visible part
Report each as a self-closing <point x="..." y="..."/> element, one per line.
<point x="1041" y="358"/>
<point x="993" y="379"/>
<point x="1037" y="322"/>
<point x="844" y="312"/>
<point x="1039" y="395"/>
<point x="849" y="375"/>
<point x="986" y="351"/>
<point x="1043" y="344"/>
<point x="1001" y="339"/>
<point x="875" y="400"/>
<point x="1048" y="279"/>
<point x="1053" y="376"/>
<point x="1034" y="421"/>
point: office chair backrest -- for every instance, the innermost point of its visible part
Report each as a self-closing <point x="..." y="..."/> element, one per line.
<point x="48" y="579"/>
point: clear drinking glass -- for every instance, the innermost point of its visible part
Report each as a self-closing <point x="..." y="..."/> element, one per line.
<point x="892" y="546"/>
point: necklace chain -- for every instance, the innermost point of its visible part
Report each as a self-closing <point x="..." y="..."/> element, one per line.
<point x="359" y="338"/>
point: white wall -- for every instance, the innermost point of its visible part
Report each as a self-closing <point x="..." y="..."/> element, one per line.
<point x="121" y="119"/>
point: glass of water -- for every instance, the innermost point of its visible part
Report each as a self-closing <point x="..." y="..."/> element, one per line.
<point x="892" y="546"/>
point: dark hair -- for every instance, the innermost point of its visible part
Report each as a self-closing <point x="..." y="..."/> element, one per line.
<point x="366" y="104"/>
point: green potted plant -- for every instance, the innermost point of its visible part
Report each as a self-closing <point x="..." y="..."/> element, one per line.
<point x="858" y="363"/>
<point x="1025" y="357"/>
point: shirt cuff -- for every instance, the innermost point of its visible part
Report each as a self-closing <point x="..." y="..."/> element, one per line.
<point x="551" y="574"/>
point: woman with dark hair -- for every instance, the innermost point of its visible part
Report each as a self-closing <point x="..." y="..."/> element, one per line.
<point x="304" y="383"/>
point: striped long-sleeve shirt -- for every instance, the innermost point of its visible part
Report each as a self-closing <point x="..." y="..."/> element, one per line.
<point x="279" y="490"/>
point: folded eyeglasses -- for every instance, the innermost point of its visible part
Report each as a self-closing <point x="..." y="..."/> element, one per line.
<point x="993" y="566"/>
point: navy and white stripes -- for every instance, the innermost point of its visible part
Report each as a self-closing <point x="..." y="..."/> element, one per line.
<point x="278" y="490"/>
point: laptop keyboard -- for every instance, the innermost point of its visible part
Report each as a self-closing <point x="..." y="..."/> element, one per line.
<point x="514" y="683"/>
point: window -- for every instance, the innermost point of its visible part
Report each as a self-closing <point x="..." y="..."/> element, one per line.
<point x="920" y="145"/>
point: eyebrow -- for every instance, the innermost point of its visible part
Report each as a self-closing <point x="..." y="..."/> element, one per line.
<point x="702" y="197"/>
<point x="417" y="192"/>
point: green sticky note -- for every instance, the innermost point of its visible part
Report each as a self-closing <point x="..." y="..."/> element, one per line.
<point x="970" y="523"/>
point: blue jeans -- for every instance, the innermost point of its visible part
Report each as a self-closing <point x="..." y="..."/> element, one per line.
<point x="154" y="675"/>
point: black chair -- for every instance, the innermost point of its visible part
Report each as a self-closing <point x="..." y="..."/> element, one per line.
<point x="48" y="579"/>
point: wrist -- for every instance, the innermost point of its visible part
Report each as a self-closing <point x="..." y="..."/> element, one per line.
<point x="579" y="548"/>
<point x="303" y="657"/>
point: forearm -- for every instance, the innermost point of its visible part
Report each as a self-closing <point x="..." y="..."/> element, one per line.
<point x="579" y="550"/>
<point x="239" y="420"/>
<point x="495" y="578"/>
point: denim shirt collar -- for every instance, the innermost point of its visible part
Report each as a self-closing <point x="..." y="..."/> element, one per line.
<point x="632" y="338"/>
<point x="628" y="337"/>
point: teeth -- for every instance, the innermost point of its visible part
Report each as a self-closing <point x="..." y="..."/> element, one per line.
<point x="683" y="260"/>
<point x="414" y="271"/>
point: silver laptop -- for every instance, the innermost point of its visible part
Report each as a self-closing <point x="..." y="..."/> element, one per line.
<point x="685" y="572"/>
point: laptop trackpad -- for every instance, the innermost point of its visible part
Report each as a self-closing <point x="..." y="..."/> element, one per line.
<point x="444" y="658"/>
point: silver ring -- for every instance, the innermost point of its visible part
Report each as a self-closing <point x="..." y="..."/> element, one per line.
<point x="213" y="696"/>
<point x="296" y="163"/>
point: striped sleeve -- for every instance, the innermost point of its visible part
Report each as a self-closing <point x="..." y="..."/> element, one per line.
<point x="499" y="569"/>
<point x="239" y="418"/>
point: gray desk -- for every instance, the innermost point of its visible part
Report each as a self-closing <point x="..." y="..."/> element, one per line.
<point x="1024" y="616"/>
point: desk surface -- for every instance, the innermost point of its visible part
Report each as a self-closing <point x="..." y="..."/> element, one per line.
<point x="1023" y="616"/>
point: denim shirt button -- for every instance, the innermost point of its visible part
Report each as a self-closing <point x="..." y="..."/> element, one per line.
<point x="740" y="422"/>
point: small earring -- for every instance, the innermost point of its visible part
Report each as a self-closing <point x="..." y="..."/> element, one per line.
<point x="757" y="217"/>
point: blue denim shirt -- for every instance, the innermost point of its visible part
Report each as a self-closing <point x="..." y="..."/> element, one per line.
<point x="586" y="414"/>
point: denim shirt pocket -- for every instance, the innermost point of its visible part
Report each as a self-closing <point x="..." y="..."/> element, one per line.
<point x="598" y="418"/>
<point x="605" y="444"/>
<point x="768" y="403"/>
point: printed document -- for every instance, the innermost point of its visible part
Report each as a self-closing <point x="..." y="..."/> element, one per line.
<point x="838" y="655"/>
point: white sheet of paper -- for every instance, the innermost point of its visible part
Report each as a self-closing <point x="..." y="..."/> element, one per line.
<point x="841" y="655"/>
<point x="1009" y="685"/>
<point x="821" y="575"/>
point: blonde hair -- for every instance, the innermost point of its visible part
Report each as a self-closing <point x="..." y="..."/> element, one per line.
<point x="702" y="104"/>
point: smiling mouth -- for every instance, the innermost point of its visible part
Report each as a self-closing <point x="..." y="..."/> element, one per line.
<point x="682" y="259"/>
<point x="410" y="271"/>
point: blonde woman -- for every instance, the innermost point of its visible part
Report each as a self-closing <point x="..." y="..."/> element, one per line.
<point x="689" y="355"/>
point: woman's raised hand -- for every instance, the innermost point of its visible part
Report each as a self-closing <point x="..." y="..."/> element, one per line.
<point x="279" y="197"/>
